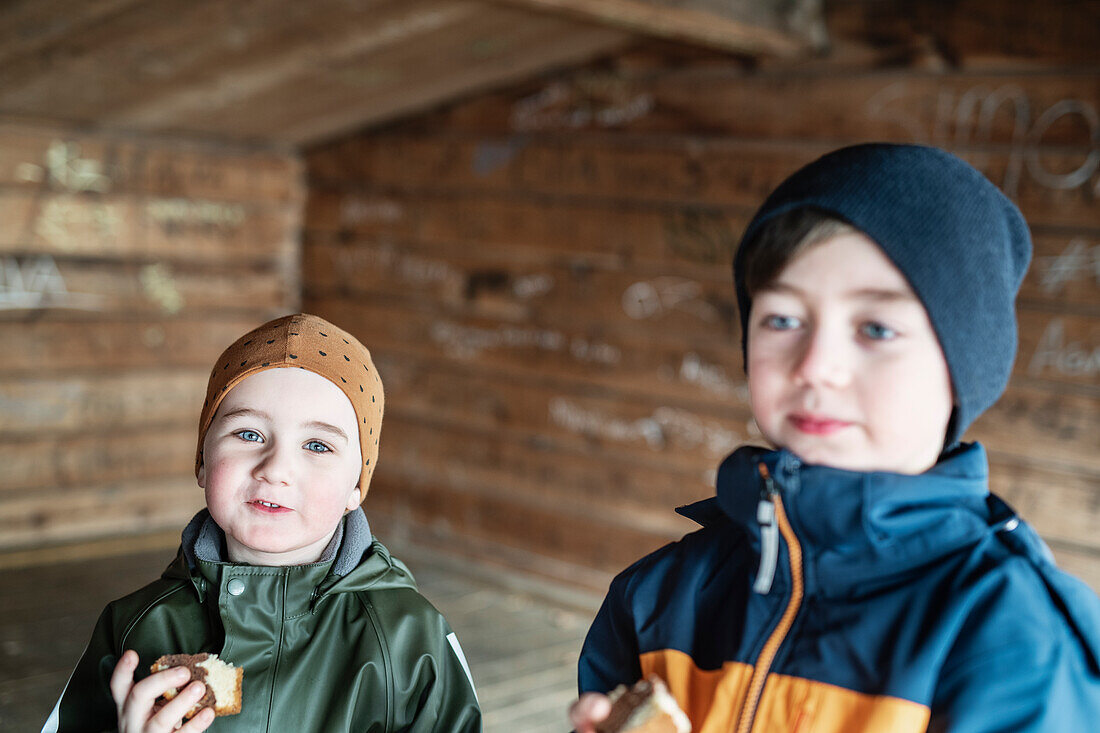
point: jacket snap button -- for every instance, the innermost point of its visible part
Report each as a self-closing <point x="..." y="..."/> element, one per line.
<point x="235" y="587"/>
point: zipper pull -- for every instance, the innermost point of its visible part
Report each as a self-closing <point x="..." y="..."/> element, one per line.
<point x="769" y="534"/>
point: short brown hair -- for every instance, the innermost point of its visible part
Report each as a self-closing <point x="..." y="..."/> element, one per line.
<point x="783" y="238"/>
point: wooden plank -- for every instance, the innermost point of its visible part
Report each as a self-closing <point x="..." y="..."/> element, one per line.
<point x="1025" y="111"/>
<point x="583" y="539"/>
<point x="593" y="419"/>
<point x="120" y="455"/>
<point x="1064" y="273"/>
<point x="782" y="29"/>
<point x="541" y="467"/>
<point x="669" y="170"/>
<point x="415" y="234"/>
<point x="129" y="227"/>
<point x="85" y="290"/>
<point x="48" y="406"/>
<point x="1059" y="429"/>
<point x="1060" y="347"/>
<point x="702" y="376"/>
<point x="96" y="511"/>
<point x="1063" y="506"/>
<point x="475" y="48"/>
<point x="558" y="292"/>
<point x="62" y="347"/>
<point x="1000" y="34"/>
<point x="518" y="229"/>
<point x="64" y="160"/>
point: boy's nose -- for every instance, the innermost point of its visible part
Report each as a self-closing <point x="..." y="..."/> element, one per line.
<point x="276" y="466"/>
<point x="823" y="361"/>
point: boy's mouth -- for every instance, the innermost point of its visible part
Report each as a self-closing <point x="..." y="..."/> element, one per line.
<point x="815" y="425"/>
<point x="268" y="507"/>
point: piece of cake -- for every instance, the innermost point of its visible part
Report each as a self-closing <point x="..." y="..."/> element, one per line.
<point x="222" y="680"/>
<point x="647" y="707"/>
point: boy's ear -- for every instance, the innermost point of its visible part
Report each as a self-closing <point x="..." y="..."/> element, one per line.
<point x="201" y="475"/>
<point x="355" y="498"/>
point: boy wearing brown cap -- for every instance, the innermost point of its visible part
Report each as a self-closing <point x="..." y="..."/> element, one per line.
<point x="280" y="574"/>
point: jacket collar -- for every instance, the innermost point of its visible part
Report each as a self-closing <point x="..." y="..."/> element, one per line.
<point x="856" y="527"/>
<point x="202" y="557"/>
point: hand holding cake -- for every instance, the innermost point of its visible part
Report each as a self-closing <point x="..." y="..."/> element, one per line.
<point x="136" y="701"/>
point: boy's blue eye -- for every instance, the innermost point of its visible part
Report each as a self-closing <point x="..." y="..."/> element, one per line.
<point x="250" y="436"/>
<point x="877" y="331"/>
<point x="781" y="323"/>
<point x="317" y="446"/>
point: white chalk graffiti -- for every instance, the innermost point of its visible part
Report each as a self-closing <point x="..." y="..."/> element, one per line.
<point x="158" y="285"/>
<point x="467" y="342"/>
<point x="36" y="283"/>
<point x="666" y="426"/>
<point x="67" y="169"/>
<point x="388" y="258"/>
<point x="69" y="223"/>
<point x="1078" y="260"/>
<point x="560" y="105"/>
<point x="970" y="115"/>
<point x="650" y="298"/>
<point x="177" y="213"/>
<point x="711" y="377"/>
<point x="1071" y="360"/>
<point x="354" y="211"/>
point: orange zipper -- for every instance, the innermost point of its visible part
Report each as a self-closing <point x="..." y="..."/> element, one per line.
<point x="779" y="633"/>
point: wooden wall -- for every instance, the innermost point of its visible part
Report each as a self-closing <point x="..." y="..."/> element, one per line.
<point x="126" y="265"/>
<point x="543" y="273"/>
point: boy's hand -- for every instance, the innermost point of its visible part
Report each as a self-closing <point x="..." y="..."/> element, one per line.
<point x="589" y="709"/>
<point x="135" y="701"/>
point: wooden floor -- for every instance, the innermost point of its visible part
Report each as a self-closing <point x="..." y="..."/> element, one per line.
<point x="522" y="649"/>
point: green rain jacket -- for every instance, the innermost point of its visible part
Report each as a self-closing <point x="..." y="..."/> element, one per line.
<point x="344" y="644"/>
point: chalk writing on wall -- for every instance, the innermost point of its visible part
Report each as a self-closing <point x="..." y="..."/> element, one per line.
<point x="69" y="222"/>
<point x="175" y="215"/>
<point x="388" y="258"/>
<point x="1077" y="261"/>
<point x="36" y="283"/>
<point x="159" y="287"/>
<point x="355" y="210"/>
<point x="970" y="117"/>
<point x="665" y="427"/>
<point x="1067" y="359"/>
<point x="711" y="377"/>
<point x="650" y="298"/>
<point x="65" y="168"/>
<point x="467" y="342"/>
<point x="590" y="101"/>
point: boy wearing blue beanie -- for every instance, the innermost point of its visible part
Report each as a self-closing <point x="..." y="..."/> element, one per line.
<point x="860" y="576"/>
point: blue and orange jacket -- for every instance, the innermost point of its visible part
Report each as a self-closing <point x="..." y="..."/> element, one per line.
<point x="817" y="599"/>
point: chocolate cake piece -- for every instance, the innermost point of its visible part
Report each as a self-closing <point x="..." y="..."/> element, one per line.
<point x="222" y="680"/>
<point x="647" y="707"/>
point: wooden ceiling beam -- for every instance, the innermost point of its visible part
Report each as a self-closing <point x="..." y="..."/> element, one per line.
<point x="784" y="28"/>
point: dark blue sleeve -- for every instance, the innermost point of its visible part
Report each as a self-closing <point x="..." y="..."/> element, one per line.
<point x="609" y="656"/>
<point x="1027" y="664"/>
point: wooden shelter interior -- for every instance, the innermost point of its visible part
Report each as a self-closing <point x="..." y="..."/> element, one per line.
<point x="526" y="209"/>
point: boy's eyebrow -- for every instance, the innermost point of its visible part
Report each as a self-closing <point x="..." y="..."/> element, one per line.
<point x="314" y="424"/>
<point x="247" y="412"/>
<point x="325" y="427"/>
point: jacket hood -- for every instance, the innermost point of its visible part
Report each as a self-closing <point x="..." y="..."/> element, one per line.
<point x="856" y="527"/>
<point x="352" y="561"/>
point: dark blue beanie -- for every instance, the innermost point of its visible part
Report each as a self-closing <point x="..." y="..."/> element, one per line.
<point x="962" y="245"/>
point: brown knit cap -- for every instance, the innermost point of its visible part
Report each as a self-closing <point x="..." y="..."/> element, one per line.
<point x="311" y="343"/>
